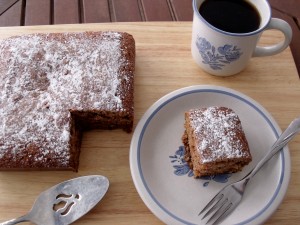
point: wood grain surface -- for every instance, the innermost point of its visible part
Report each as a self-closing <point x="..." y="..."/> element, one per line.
<point x="163" y="64"/>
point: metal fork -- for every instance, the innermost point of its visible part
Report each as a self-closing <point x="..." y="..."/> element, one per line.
<point x="231" y="195"/>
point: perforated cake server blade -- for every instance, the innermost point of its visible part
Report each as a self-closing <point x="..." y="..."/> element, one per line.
<point x="66" y="202"/>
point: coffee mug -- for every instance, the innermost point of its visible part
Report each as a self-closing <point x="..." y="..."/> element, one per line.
<point x="226" y="52"/>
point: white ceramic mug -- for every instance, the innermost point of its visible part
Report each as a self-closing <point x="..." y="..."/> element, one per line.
<point x="222" y="53"/>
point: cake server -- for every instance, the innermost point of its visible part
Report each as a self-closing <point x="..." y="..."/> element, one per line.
<point x="65" y="202"/>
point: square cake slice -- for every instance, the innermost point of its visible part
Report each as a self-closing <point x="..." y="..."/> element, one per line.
<point x="214" y="141"/>
<point x="55" y="85"/>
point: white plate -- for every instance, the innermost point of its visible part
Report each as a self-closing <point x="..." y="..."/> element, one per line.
<point x="163" y="179"/>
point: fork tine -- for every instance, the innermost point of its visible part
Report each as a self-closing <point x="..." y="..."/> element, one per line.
<point x="225" y="213"/>
<point x="217" y="198"/>
<point x="216" y="210"/>
<point x="216" y="207"/>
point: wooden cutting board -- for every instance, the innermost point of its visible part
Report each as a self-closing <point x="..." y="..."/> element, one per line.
<point x="163" y="64"/>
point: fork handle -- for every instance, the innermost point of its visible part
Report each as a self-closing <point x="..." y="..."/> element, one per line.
<point x="282" y="141"/>
<point x="16" y="220"/>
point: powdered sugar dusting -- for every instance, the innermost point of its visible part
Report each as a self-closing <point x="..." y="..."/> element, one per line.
<point x="217" y="133"/>
<point x="44" y="75"/>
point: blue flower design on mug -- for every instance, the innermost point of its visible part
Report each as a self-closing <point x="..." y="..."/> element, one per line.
<point x="218" y="57"/>
<point x="182" y="168"/>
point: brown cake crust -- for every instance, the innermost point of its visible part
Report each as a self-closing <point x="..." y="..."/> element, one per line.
<point x="53" y="86"/>
<point x="214" y="141"/>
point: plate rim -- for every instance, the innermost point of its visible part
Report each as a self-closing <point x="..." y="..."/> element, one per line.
<point x="145" y="193"/>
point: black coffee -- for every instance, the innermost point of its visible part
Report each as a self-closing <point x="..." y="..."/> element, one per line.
<point x="234" y="16"/>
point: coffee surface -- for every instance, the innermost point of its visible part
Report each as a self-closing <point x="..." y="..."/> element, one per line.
<point x="234" y="16"/>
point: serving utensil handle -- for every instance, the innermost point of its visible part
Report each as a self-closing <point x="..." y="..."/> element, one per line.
<point x="16" y="220"/>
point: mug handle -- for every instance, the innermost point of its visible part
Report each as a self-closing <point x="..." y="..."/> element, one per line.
<point x="286" y="29"/>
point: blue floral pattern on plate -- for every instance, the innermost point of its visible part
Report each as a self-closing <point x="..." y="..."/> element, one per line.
<point x="182" y="168"/>
<point x="179" y="164"/>
<point x="217" y="58"/>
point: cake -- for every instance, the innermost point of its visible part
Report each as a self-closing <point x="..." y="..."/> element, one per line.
<point x="53" y="87"/>
<point x="214" y="141"/>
